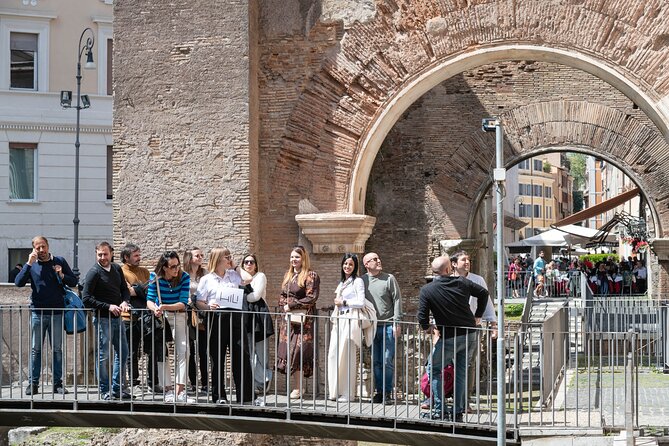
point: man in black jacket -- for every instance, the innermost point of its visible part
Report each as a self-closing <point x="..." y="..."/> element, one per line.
<point x="106" y="291"/>
<point x="447" y="298"/>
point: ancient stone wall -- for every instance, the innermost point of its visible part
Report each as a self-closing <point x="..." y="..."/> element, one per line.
<point x="192" y="92"/>
<point x="182" y="124"/>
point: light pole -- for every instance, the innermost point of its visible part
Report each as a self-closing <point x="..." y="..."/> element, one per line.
<point x="82" y="102"/>
<point x="499" y="177"/>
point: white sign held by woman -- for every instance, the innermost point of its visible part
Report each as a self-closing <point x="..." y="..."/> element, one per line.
<point x="230" y="298"/>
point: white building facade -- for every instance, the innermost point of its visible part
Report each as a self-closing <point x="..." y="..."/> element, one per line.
<point x="38" y="59"/>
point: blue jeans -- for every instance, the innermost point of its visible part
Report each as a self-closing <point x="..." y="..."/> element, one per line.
<point x="111" y="333"/>
<point x="383" y="358"/>
<point x="43" y="323"/>
<point x="458" y="352"/>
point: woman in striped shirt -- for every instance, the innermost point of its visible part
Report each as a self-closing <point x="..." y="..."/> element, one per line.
<point x="170" y="303"/>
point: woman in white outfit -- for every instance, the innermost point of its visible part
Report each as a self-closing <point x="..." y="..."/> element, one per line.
<point x="346" y="335"/>
<point x="261" y="327"/>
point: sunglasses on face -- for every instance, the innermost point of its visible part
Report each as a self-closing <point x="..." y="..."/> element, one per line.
<point x="249" y="262"/>
<point x="173" y="267"/>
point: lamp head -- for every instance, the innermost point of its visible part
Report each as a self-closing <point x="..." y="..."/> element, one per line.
<point x="65" y="98"/>
<point x="90" y="63"/>
<point x="85" y="101"/>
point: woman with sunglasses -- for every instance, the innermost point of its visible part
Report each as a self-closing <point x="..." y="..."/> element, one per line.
<point x="261" y="327"/>
<point x="167" y="297"/>
<point x="225" y="326"/>
<point x="299" y="292"/>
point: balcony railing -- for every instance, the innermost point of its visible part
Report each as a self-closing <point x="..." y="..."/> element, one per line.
<point x="570" y="372"/>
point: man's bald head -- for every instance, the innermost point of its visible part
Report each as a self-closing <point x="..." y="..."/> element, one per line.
<point x="441" y="266"/>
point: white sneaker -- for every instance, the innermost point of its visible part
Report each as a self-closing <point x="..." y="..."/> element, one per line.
<point x="342" y="399"/>
<point x="169" y="396"/>
<point x="183" y="398"/>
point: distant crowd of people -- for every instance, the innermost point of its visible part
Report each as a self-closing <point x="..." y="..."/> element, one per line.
<point x="221" y="311"/>
<point x="560" y="276"/>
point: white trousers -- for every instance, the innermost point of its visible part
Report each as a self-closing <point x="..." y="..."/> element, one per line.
<point x="179" y="326"/>
<point x="342" y="355"/>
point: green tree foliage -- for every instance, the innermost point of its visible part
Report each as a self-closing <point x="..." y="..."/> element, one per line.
<point x="577" y="169"/>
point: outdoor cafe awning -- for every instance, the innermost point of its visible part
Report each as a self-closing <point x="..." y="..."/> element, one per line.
<point x="599" y="208"/>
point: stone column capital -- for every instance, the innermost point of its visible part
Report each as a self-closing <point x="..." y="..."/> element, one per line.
<point x="336" y="232"/>
<point x="660" y="246"/>
<point x="448" y="247"/>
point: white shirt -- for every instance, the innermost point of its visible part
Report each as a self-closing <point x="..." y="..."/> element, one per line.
<point x="259" y="285"/>
<point x="353" y="292"/>
<point x="212" y="284"/>
<point x="489" y="313"/>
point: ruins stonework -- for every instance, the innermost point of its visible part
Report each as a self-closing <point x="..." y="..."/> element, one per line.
<point x="233" y="118"/>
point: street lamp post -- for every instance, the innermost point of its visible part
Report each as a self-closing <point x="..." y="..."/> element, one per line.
<point x="82" y="103"/>
<point x="499" y="177"/>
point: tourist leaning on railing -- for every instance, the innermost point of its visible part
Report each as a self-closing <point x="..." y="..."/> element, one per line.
<point x="106" y="292"/>
<point x="167" y="297"/>
<point x="221" y="291"/>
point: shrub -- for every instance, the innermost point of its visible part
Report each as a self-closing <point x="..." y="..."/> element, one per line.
<point x="594" y="258"/>
<point x="513" y="310"/>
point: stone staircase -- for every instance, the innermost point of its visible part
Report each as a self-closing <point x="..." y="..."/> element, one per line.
<point x="541" y="310"/>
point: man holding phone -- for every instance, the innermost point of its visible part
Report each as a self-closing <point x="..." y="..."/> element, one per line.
<point x="46" y="274"/>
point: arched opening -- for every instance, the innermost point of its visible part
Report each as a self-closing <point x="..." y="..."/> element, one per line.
<point x="412" y="90"/>
<point x="432" y="171"/>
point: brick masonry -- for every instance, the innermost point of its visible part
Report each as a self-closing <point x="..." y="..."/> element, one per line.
<point x="229" y="120"/>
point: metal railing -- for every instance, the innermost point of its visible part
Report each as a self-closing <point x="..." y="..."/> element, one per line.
<point x="563" y="284"/>
<point x="568" y="374"/>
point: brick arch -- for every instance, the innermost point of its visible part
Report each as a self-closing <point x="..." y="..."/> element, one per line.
<point x="579" y="126"/>
<point x="384" y="65"/>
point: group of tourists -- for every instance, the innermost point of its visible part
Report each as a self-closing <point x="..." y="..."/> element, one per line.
<point x="213" y="311"/>
<point x="220" y="311"/>
<point x="561" y="276"/>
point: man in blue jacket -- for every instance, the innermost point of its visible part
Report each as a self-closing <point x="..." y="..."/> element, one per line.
<point x="46" y="274"/>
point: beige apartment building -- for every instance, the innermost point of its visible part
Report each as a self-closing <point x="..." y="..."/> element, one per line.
<point x="38" y="59"/>
<point x="544" y="192"/>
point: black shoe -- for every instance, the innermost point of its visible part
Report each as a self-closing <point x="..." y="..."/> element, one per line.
<point x="378" y="398"/>
<point x="388" y="399"/>
<point x="122" y="396"/>
<point x="60" y="389"/>
<point x="447" y="416"/>
<point x="32" y="389"/>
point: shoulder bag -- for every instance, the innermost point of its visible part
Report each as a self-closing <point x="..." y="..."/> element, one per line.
<point x="296" y="316"/>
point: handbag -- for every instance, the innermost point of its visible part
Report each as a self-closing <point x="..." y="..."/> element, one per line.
<point x="448" y="378"/>
<point x="513" y="276"/>
<point x="367" y="315"/>
<point x="75" y="316"/>
<point x="297" y="317"/>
